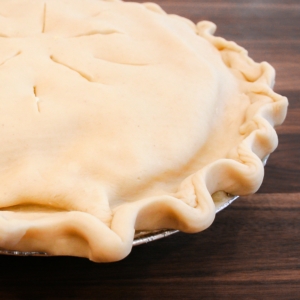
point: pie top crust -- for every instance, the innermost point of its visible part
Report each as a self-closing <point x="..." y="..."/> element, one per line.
<point x="116" y="117"/>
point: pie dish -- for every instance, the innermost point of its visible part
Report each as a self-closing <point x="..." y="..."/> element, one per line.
<point x="117" y="117"/>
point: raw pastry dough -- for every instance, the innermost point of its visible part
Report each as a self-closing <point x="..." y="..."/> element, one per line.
<point x="116" y="117"/>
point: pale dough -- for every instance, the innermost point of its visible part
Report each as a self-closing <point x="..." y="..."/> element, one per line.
<point x="116" y="117"/>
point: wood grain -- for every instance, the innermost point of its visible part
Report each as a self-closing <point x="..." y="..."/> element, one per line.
<point x="252" y="251"/>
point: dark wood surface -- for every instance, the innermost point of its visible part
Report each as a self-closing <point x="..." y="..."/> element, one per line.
<point x="252" y="251"/>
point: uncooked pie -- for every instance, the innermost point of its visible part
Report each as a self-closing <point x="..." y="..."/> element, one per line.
<point x="117" y="117"/>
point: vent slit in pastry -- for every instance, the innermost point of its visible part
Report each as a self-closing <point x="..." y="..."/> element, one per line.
<point x="96" y="32"/>
<point x="9" y="58"/>
<point x="37" y="99"/>
<point x="44" y="18"/>
<point x="80" y="73"/>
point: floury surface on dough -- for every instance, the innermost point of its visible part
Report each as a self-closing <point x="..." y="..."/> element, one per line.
<point x="116" y="117"/>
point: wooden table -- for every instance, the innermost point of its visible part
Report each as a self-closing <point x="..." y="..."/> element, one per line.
<point x="253" y="248"/>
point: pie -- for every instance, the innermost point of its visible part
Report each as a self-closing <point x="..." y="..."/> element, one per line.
<point x="116" y="117"/>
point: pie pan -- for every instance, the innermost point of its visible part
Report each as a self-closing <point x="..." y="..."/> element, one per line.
<point x="124" y="121"/>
